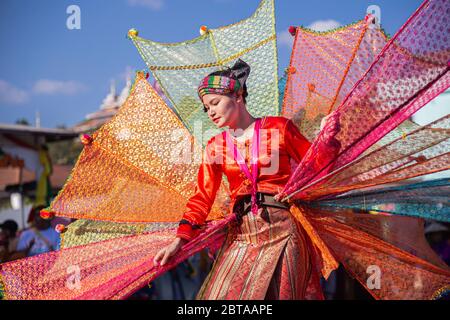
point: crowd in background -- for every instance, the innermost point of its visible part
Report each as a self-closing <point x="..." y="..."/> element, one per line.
<point x="39" y="237"/>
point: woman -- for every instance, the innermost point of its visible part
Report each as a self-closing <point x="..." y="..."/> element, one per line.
<point x="266" y="254"/>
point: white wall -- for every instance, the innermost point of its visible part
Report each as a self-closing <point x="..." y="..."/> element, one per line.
<point x="16" y="215"/>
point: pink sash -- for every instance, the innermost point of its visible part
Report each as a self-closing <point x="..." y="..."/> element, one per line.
<point x="254" y="160"/>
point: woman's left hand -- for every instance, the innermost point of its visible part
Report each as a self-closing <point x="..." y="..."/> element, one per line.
<point x="335" y="124"/>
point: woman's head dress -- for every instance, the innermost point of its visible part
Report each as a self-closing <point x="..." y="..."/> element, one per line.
<point x="230" y="80"/>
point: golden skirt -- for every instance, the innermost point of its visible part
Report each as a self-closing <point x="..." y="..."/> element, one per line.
<point x="264" y="257"/>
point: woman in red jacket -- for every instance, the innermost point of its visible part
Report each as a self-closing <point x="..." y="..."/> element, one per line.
<point x="266" y="254"/>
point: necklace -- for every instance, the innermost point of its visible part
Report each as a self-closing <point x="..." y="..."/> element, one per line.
<point x="253" y="175"/>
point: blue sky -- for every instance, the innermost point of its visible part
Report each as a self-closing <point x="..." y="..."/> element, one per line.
<point x="65" y="74"/>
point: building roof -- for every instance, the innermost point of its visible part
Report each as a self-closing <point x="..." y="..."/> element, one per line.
<point x="50" y="134"/>
<point x="10" y="178"/>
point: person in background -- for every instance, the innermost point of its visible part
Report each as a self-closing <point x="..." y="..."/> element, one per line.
<point x="8" y="239"/>
<point x="40" y="238"/>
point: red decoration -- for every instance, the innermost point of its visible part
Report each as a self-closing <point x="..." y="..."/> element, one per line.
<point x="368" y="17"/>
<point x="292" y="30"/>
<point x="203" y="30"/>
<point x="60" y="228"/>
<point x="45" y="214"/>
<point x="86" y="139"/>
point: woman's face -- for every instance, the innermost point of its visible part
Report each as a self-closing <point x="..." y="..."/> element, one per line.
<point x="223" y="110"/>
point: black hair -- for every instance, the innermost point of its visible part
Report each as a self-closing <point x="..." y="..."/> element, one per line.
<point x="10" y="225"/>
<point x="227" y="73"/>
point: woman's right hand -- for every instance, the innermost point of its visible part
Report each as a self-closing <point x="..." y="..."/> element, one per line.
<point x="165" y="253"/>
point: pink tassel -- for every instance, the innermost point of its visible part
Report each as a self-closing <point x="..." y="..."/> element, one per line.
<point x="292" y="30"/>
<point x="86" y="139"/>
<point x="45" y="214"/>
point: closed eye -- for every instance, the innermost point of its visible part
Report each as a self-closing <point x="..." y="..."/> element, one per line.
<point x="213" y="102"/>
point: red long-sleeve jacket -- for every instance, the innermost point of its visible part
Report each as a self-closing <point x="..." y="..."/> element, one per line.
<point x="280" y="143"/>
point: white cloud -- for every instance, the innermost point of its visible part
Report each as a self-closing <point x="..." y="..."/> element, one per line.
<point x="285" y="39"/>
<point x="150" y="4"/>
<point x="127" y="73"/>
<point x="11" y="94"/>
<point x="324" y="25"/>
<point x="46" y="86"/>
